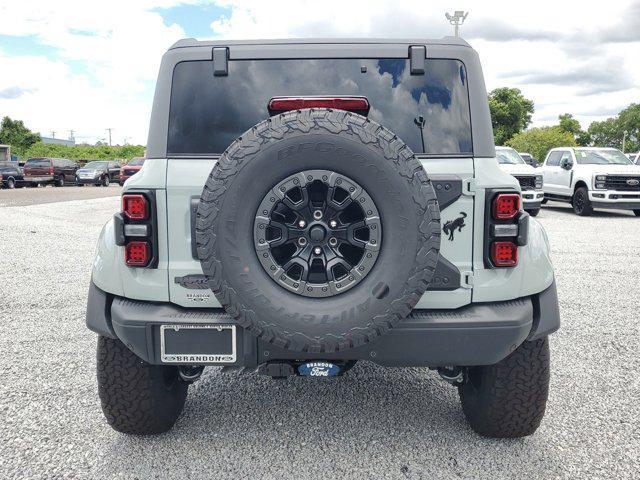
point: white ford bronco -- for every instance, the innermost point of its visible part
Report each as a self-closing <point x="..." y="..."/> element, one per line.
<point x="592" y="177"/>
<point x="307" y="204"/>
<point x="528" y="178"/>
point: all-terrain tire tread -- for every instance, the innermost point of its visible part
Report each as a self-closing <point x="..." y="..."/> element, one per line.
<point x="128" y="388"/>
<point x="512" y="396"/>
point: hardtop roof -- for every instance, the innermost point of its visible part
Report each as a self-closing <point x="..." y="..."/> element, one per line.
<point x="192" y="42"/>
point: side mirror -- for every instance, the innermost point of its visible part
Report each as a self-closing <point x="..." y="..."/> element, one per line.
<point x="567" y="164"/>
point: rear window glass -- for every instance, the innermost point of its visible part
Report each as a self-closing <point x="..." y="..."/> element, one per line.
<point x="136" y="162"/>
<point x="38" y="162"/>
<point x="207" y="113"/>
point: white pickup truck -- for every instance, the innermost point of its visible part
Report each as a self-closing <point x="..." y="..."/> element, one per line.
<point x="528" y="177"/>
<point x="591" y="177"/>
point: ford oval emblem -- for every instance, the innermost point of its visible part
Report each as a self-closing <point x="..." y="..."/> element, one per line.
<point x="319" y="369"/>
<point x="632" y="182"/>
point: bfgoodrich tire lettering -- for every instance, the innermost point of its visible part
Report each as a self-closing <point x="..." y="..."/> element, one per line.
<point x="352" y="146"/>
<point x="508" y="399"/>
<point x="137" y="398"/>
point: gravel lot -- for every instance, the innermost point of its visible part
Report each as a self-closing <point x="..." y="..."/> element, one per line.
<point x="372" y="423"/>
<point x="34" y="196"/>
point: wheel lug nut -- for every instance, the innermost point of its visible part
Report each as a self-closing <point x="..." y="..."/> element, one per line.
<point x="333" y="241"/>
<point x="317" y="250"/>
<point x="302" y="241"/>
<point x="333" y="224"/>
<point x="302" y="224"/>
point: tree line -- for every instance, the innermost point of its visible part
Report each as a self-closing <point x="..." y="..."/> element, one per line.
<point x="511" y="113"/>
<point x="27" y="144"/>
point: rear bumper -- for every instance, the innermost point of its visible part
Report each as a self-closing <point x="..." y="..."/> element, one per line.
<point x="87" y="181"/>
<point x="477" y="334"/>
<point x="38" y="178"/>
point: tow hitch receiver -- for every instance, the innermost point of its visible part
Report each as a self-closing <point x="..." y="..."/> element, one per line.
<point x="316" y="368"/>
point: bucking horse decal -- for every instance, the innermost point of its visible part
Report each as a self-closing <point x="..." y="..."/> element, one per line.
<point x="452" y="225"/>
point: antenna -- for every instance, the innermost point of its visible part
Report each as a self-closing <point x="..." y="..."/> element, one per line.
<point x="456" y="20"/>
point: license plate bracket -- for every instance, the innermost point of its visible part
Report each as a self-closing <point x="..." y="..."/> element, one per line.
<point x="198" y="344"/>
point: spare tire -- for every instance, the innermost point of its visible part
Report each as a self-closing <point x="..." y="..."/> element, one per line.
<point x="318" y="230"/>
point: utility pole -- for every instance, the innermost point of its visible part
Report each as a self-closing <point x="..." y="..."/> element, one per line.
<point x="53" y="134"/>
<point x="71" y="132"/>
<point x="456" y="20"/>
<point x="624" y="140"/>
<point x="109" y="130"/>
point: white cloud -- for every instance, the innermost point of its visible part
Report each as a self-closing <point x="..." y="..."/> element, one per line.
<point x="107" y="53"/>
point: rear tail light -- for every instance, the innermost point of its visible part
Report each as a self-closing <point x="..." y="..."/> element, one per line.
<point x="506" y="229"/>
<point x="136" y="229"/>
<point x="50" y="170"/>
<point x="352" y="104"/>
<point x="137" y="254"/>
<point x="504" y="254"/>
<point x="135" y="206"/>
<point x="506" y="206"/>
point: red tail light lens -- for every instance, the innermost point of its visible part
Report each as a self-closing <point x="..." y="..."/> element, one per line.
<point x="506" y="206"/>
<point x="135" y="206"/>
<point x="50" y="170"/>
<point x="352" y="104"/>
<point x="504" y="254"/>
<point x="136" y="254"/>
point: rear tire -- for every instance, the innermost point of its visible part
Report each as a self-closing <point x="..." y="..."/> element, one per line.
<point x="11" y="184"/>
<point x="581" y="204"/>
<point x="60" y="181"/>
<point x="137" y="398"/>
<point x="508" y="399"/>
<point x="534" y="212"/>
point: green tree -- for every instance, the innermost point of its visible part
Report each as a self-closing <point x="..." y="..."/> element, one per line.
<point x="538" y="141"/>
<point x="86" y="152"/>
<point x="606" y="133"/>
<point x="510" y="113"/>
<point x="572" y="126"/>
<point x="14" y="133"/>
<point x="629" y="121"/>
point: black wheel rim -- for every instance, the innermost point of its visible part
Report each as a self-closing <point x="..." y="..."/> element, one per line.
<point x="317" y="233"/>
<point x="579" y="202"/>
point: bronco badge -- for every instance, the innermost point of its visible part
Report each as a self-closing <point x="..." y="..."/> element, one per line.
<point x="452" y="225"/>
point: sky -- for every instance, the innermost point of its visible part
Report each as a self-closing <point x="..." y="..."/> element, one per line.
<point x="86" y="66"/>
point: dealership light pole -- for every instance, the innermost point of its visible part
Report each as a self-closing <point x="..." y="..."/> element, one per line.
<point x="456" y="20"/>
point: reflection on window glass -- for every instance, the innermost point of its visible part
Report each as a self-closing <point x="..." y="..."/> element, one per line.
<point x="601" y="156"/>
<point x="207" y="113"/>
<point x="508" y="156"/>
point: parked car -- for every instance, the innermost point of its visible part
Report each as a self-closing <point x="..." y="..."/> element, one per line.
<point x="310" y="242"/>
<point x="529" y="160"/>
<point x="55" y="171"/>
<point x="130" y="169"/>
<point x="530" y="182"/>
<point x="98" y="173"/>
<point x="592" y="177"/>
<point x="12" y="176"/>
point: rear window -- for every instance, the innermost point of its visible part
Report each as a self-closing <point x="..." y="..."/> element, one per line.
<point x="136" y="162"/>
<point x="207" y="113"/>
<point x="38" y="163"/>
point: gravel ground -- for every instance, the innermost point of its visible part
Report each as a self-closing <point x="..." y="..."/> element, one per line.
<point x="372" y="423"/>
<point x="34" y="196"/>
